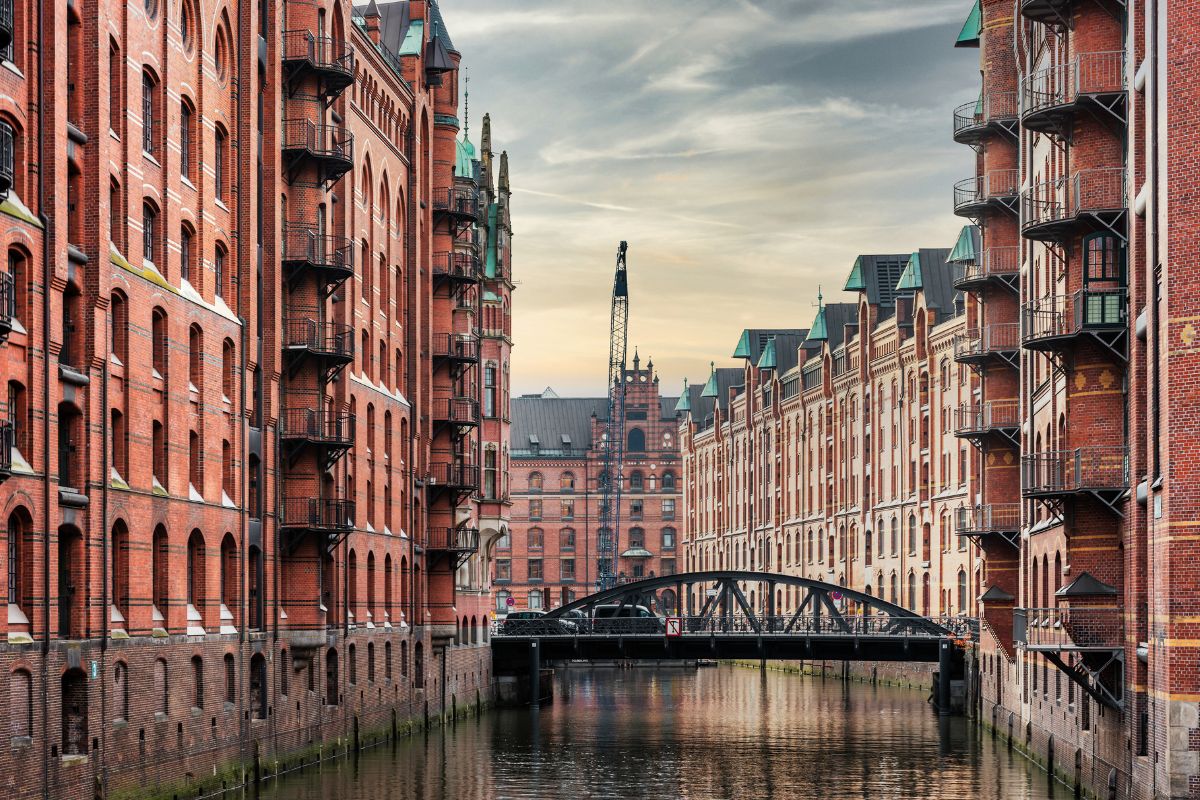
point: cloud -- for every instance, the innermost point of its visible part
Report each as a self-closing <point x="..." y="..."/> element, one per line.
<point x="747" y="151"/>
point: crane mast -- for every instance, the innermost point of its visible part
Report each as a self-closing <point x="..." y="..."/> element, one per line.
<point x="612" y="443"/>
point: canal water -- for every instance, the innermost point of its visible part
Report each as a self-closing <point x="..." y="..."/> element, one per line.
<point x="726" y="732"/>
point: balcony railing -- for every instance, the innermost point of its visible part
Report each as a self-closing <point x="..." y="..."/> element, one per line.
<point x="458" y="201"/>
<point x="976" y="345"/>
<point x="329" y="147"/>
<point x="456" y="540"/>
<point x="332" y="60"/>
<point x="453" y="475"/>
<point x="316" y="514"/>
<point x="990" y="416"/>
<point x="995" y="110"/>
<point x="8" y="304"/>
<point x="8" y="441"/>
<point x="1056" y="320"/>
<point x="1069" y="629"/>
<point x="6" y="149"/>
<point x="1051" y="209"/>
<point x="456" y="346"/>
<point x="317" y="427"/>
<point x="305" y="247"/>
<point x="456" y="410"/>
<point x="997" y="188"/>
<point x="330" y="339"/>
<point x="1067" y="472"/>
<point x="992" y="519"/>
<point x="6" y="23"/>
<point x="459" y="265"/>
<point x="1050" y="96"/>
<point x="994" y="263"/>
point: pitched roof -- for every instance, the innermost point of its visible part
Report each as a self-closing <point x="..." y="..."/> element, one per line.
<point x="754" y="340"/>
<point x="877" y="275"/>
<point x="1084" y="586"/>
<point x="966" y="247"/>
<point x="786" y="350"/>
<point x="969" y="35"/>
<point x="548" y="418"/>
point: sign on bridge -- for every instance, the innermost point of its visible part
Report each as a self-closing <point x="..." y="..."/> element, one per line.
<point x="674" y="627"/>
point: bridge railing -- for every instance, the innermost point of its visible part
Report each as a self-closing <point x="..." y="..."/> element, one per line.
<point x="804" y="624"/>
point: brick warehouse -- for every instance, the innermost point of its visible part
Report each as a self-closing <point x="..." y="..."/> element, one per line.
<point x="550" y="556"/>
<point x="1068" y="525"/>
<point x="257" y="330"/>
<point x="833" y="452"/>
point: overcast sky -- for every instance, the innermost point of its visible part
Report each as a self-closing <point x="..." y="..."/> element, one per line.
<point x="747" y="150"/>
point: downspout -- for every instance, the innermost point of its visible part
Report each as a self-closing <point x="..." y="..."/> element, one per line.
<point x="47" y="275"/>
<point x="411" y="278"/>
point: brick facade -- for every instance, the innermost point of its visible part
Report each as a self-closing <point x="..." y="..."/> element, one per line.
<point x="256" y="268"/>
<point x="556" y="466"/>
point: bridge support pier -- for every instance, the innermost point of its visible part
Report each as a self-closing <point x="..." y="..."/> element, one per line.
<point x="535" y="674"/>
<point x="945" y="667"/>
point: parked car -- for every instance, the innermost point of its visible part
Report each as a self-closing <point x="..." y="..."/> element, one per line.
<point x="617" y="618"/>
<point x="523" y="623"/>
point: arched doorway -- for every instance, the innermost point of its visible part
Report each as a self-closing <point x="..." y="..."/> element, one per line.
<point x="70" y="578"/>
<point x="74" y="713"/>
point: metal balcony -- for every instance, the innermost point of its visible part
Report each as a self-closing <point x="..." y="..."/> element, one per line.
<point x="989" y="419"/>
<point x="6" y="23"/>
<point x="456" y="544"/>
<point x="327" y="149"/>
<point x="459" y="203"/>
<point x="8" y="441"/>
<point x="994" y="266"/>
<point x="1085" y="643"/>
<point x="6" y="148"/>
<point x="330" y="61"/>
<point x="330" y="345"/>
<point x="993" y="112"/>
<point x="330" y="519"/>
<point x="327" y="433"/>
<point x="1091" y="199"/>
<point x="998" y="342"/>
<point x="456" y="348"/>
<point x="1056" y="323"/>
<point x="309" y="251"/>
<point x="995" y="190"/>
<point x="994" y="522"/>
<point x="459" y="479"/>
<point x="462" y="412"/>
<point x="1052" y="98"/>
<point x="461" y="266"/>
<point x="1057" y="475"/>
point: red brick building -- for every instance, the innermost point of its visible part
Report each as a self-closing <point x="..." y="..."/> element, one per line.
<point x="831" y="452"/>
<point x="550" y="556"/>
<point x="255" y="279"/>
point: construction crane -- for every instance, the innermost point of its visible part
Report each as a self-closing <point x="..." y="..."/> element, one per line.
<point x="613" y="441"/>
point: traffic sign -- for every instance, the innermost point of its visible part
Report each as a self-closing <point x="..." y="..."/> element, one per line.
<point x="674" y="627"/>
<point x="510" y="601"/>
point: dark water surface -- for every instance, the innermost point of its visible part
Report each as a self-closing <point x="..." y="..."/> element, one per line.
<point x="714" y="733"/>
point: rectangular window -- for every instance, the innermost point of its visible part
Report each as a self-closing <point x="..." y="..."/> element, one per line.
<point x="667" y="565"/>
<point x="535" y="569"/>
<point x="668" y="509"/>
<point x="219" y="273"/>
<point x="635" y="509"/>
<point x="566" y="540"/>
<point x="535" y="600"/>
<point x="535" y="509"/>
<point x="567" y="569"/>
<point x="668" y="539"/>
<point x="568" y="509"/>
<point x="185" y="255"/>
<point x="503" y="569"/>
<point x="639" y="571"/>
<point x="148" y="217"/>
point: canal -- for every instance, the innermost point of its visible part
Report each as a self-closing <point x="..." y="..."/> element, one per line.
<point x="727" y="732"/>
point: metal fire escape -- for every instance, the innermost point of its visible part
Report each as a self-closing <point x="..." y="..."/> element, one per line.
<point x="613" y="441"/>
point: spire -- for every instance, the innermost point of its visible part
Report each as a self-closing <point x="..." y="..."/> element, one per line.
<point x="466" y="102"/>
<point x="637" y="361"/>
<point x="372" y="10"/>
<point x="685" y="399"/>
<point x="503" y="180"/>
<point x="485" y="140"/>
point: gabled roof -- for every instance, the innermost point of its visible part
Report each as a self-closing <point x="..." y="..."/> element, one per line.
<point x="877" y="275"/>
<point x="929" y="272"/>
<point x="784" y="350"/>
<point x="551" y="421"/>
<point x="911" y="278"/>
<point x="754" y="340"/>
<point x="830" y="324"/>
<point x="767" y="359"/>
<point x="969" y="35"/>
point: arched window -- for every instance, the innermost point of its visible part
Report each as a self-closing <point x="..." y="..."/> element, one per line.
<point x="370" y="586"/>
<point x="352" y="664"/>
<point x="352" y="585"/>
<point x="20" y="527"/>
<point x="158" y="574"/>
<point x="895" y="536"/>
<point x="535" y="481"/>
<point x="636" y="441"/>
<point x="566" y="482"/>
<point x="74" y="713"/>
<point x="20" y="704"/>
<point x="230" y="679"/>
<point x="187" y="140"/>
<point x="196" y="590"/>
<point x="636" y="481"/>
<point x="912" y="590"/>
<point x="258" y="683"/>
<point x="668" y="481"/>
<point x="119" y="547"/>
<point x="150" y="237"/>
<point x="962" y="591"/>
<point x="537" y="539"/>
<point x="162" y="688"/>
<point x="331" y="677"/>
<point x="912" y="533"/>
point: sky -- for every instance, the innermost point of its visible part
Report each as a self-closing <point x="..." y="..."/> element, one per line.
<point x="747" y="150"/>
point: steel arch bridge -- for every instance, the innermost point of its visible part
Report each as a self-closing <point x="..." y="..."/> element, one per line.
<point x="713" y="619"/>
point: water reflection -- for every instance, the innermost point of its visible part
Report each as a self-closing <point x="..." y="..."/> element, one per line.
<point x="715" y="733"/>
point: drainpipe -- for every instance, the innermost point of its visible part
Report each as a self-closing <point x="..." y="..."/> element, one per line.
<point x="47" y="275"/>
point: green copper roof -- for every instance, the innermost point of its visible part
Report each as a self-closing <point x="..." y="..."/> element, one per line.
<point x="767" y="359"/>
<point x="413" y="39"/>
<point x="969" y="35"/>
<point x="463" y="166"/>
<point x="964" y="248"/>
<point x="911" y="277"/>
<point x="685" y="402"/>
<point x="855" y="282"/>
<point x="710" y="388"/>
<point x="743" y="346"/>
<point x="818" y="331"/>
